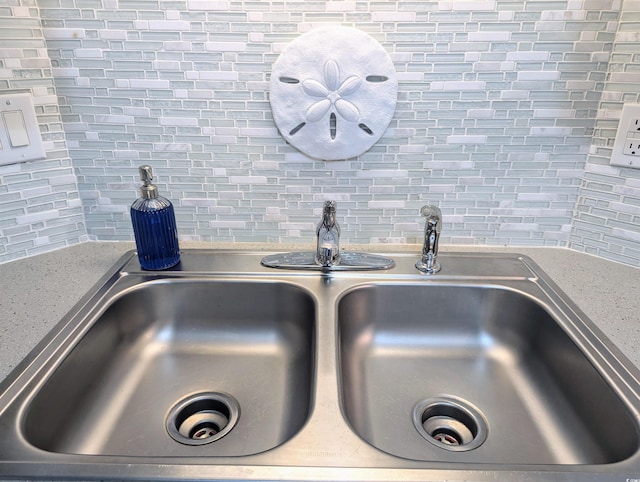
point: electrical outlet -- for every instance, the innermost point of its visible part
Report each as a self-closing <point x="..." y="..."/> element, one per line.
<point x="626" y="147"/>
<point x="631" y="147"/>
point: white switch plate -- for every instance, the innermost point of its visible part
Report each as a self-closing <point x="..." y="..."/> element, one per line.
<point x="625" y="148"/>
<point x="20" y="139"/>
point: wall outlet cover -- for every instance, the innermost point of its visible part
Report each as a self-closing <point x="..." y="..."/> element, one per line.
<point x="626" y="148"/>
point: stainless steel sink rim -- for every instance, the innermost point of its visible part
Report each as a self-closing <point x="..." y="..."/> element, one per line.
<point x="333" y="452"/>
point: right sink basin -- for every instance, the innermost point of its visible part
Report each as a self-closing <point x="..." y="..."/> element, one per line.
<point x="473" y="373"/>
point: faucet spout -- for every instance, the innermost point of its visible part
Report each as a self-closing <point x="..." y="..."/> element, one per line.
<point x="433" y="225"/>
<point x="328" y="237"/>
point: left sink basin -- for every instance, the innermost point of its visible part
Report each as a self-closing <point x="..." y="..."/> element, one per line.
<point x="207" y="357"/>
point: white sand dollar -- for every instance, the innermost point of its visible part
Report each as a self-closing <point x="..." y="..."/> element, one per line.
<point x="333" y="92"/>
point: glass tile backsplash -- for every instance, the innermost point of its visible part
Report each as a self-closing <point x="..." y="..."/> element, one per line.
<point x="505" y="119"/>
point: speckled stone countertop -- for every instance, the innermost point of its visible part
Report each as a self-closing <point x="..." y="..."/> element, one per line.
<point x="38" y="291"/>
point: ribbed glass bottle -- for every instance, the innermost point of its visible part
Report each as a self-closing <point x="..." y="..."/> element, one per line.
<point x="154" y="227"/>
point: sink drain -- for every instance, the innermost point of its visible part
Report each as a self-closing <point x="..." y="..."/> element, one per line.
<point x="450" y="423"/>
<point x="203" y="418"/>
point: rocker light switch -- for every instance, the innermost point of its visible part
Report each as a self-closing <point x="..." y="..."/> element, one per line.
<point x="14" y="120"/>
<point x="20" y="138"/>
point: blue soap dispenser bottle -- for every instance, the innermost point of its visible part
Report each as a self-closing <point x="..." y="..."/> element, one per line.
<point x="154" y="226"/>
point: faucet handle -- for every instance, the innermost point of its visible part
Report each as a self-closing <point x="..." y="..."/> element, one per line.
<point x="328" y="237"/>
<point x="329" y="214"/>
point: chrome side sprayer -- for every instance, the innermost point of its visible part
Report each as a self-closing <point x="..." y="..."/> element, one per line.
<point x="428" y="263"/>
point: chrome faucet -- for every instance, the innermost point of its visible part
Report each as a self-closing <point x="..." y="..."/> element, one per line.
<point x="328" y="237"/>
<point x="433" y="216"/>
<point x="327" y="257"/>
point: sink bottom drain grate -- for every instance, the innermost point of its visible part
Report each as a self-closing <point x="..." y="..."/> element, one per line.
<point x="450" y="423"/>
<point x="203" y="418"/>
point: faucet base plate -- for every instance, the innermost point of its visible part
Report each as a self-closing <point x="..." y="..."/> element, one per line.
<point x="430" y="266"/>
<point x="349" y="261"/>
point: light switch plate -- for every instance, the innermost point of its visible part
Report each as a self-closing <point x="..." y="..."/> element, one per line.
<point x="20" y="138"/>
<point x="626" y="148"/>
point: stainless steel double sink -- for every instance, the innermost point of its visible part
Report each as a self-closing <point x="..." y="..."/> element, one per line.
<point x="223" y="369"/>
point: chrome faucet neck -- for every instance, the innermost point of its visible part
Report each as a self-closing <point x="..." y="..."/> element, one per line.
<point x="328" y="237"/>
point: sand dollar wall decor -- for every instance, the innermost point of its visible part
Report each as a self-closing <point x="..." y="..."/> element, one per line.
<point x="333" y="92"/>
